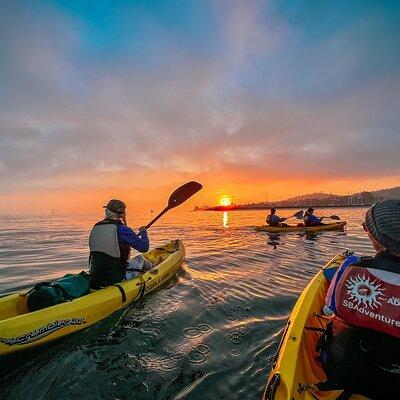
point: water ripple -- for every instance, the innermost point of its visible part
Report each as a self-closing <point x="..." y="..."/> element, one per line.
<point x="209" y="333"/>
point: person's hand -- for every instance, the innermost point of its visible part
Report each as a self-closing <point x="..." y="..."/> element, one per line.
<point x="142" y="228"/>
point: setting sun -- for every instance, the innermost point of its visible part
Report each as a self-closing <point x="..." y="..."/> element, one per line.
<point x="225" y="201"/>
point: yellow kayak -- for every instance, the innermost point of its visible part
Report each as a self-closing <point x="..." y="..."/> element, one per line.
<point x="21" y="330"/>
<point x="335" y="226"/>
<point x="295" y="369"/>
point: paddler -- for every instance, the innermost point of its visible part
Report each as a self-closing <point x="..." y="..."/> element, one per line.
<point x="360" y="350"/>
<point x="310" y="219"/>
<point x="110" y="245"/>
<point x="274" y="220"/>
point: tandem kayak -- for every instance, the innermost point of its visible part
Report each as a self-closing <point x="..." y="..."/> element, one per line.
<point x="335" y="226"/>
<point x="295" y="368"/>
<point x="22" y="330"/>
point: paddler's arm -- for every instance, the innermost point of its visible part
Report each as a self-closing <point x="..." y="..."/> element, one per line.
<point x="138" y="242"/>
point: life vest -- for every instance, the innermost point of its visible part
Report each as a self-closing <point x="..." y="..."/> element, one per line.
<point x="359" y="350"/>
<point x="108" y="257"/>
<point x="272" y="220"/>
<point x="367" y="294"/>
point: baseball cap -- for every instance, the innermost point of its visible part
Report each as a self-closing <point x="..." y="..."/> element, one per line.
<point x="116" y="206"/>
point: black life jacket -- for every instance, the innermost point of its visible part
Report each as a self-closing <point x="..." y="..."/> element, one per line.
<point x="358" y="359"/>
<point x="108" y="257"/>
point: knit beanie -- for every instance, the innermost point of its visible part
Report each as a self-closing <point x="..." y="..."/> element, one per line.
<point x="383" y="223"/>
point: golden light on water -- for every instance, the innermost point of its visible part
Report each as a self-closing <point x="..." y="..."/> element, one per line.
<point x="225" y="219"/>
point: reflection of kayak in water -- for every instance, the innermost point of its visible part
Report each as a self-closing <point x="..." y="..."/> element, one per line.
<point x="295" y="367"/>
<point x="335" y="226"/>
<point x="21" y="330"/>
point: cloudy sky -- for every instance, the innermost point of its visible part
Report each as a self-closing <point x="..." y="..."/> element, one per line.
<point x="132" y="98"/>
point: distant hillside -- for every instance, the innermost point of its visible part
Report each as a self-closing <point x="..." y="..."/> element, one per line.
<point x="311" y="196"/>
<point x="388" y="193"/>
<point x="381" y="194"/>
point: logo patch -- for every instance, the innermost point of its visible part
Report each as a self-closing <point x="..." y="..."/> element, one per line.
<point x="364" y="291"/>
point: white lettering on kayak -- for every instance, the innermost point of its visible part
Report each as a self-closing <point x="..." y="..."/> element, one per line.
<point x="42" y="332"/>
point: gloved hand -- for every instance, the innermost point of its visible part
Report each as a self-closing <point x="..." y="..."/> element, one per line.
<point x="142" y="228"/>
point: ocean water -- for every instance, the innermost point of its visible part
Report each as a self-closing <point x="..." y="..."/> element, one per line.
<point x="211" y="332"/>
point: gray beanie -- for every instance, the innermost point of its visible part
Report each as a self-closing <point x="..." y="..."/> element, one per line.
<point x="383" y="223"/>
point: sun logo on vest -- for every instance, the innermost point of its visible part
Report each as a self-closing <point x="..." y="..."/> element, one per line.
<point x="363" y="291"/>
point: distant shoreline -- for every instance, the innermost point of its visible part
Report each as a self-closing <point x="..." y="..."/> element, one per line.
<point x="263" y="208"/>
<point x="317" y="200"/>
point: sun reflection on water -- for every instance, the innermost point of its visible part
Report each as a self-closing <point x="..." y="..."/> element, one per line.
<point x="225" y="219"/>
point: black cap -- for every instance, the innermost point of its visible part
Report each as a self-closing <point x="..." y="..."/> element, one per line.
<point x="273" y="209"/>
<point x="382" y="221"/>
<point x="310" y="209"/>
<point x="116" y="206"/>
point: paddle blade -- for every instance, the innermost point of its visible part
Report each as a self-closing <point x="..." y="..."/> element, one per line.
<point x="335" y="217"/>
<point x="299" y="214"/>
<point x="183" y="193"/>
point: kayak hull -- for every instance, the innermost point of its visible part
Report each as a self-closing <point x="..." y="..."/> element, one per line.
<point x="295" y="364"/>
<point x="335" y="226"/>
<point x="20" y="330"/>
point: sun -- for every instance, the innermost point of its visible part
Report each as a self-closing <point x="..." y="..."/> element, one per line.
<point x="225" y="201"/>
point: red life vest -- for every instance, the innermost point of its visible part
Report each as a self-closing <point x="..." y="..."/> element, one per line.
<point x="367" y="295"/>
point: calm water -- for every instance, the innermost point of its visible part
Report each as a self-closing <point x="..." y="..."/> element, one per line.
<point x="210" y="333"/>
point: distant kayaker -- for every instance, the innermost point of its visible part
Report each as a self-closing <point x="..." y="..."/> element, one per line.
<point x="274" y="220"/>
<point x="110" y="245"/>
<point x="310" y="219"/>
<point x="360" y="349"/>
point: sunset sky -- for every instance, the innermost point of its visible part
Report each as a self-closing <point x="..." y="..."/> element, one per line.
<point x="130" y="99"/>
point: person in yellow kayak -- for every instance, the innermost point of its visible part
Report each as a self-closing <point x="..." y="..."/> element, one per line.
<point x="110" y="244"/>
<point x="310" y="219"/>
<point x="274" y="220"/>
<point x="360" y="349"/>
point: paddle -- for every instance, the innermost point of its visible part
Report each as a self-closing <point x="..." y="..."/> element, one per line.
<point x="178" y="197"/>
<point x="332" y="217"/>
<point x="298" y="215"/>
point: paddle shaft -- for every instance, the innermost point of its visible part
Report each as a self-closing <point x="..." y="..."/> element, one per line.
<point x="291" y="216"/>
<point x="178" y="197"/>
<point x="296" y="214"/>
<point x="157" y="217"/>
<point x="332" y="217"/>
